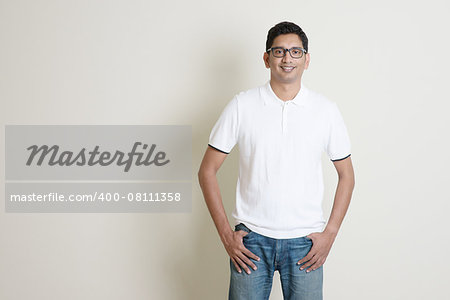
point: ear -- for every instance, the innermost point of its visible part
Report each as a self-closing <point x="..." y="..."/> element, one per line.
<point x="307" y="59"/>
<point x="266" y="60"/>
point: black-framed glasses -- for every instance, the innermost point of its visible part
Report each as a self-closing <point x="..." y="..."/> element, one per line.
<point x="295" y="52"/>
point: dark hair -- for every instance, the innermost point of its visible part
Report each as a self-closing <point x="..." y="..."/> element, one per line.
<point x="285" y="28"/>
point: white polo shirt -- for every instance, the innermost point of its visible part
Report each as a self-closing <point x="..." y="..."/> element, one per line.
<point x="280" y="188"/>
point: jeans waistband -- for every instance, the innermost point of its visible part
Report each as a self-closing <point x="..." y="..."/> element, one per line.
<point x="241" y="226"/>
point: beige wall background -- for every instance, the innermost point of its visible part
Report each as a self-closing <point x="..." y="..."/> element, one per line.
<point x="99" y="62"/>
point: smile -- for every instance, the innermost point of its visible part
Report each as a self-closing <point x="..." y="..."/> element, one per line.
<point x="287" y="69"/>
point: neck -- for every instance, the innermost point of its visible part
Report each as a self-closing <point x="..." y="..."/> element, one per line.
<point x="285" y="91"/>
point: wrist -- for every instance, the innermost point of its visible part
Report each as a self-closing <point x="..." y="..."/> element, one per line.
<point x="331" y="231"/>
<point x="226" y="235"/>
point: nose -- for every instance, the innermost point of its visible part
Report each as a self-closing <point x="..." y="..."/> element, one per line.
<point x="286" y="57"/>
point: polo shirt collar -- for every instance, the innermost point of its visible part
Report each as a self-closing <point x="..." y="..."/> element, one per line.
<point x="300" y="99"/>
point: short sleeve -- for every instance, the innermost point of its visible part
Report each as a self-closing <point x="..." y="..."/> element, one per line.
<point x="224" y="134"/>
<point x="338" y="145"/>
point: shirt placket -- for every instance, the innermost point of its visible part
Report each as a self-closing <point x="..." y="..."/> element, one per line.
<point x="284" y="111"/>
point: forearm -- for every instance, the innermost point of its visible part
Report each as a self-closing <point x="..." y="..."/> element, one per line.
<point x="211" y="193"/>
<point x="342" y="199"/>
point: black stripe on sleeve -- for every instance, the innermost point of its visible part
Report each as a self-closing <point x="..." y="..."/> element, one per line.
<point x="341" y="158"/>
<point x="218" y="149"/>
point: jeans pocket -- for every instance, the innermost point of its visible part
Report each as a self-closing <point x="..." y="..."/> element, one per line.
<point x="241" y="226"/>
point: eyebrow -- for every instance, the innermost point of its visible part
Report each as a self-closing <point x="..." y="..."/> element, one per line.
<point x="287" y="48"/>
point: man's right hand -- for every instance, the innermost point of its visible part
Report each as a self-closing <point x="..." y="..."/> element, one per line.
<point x="232" y="240"/>
<point x="239" y="255"/>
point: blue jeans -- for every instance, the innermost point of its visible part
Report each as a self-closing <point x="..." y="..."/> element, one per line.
<point x="279" y="255"/>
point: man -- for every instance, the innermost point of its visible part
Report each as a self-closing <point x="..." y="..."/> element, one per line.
<point x="282" y="129"/>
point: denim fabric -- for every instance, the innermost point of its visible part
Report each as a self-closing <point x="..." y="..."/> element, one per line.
<point x="275" y="255"/>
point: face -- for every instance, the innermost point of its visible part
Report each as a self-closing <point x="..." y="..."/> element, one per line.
<point x="286" y="70"/>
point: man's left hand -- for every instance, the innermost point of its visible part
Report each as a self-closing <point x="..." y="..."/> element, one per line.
<point x="322" y="242"/>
